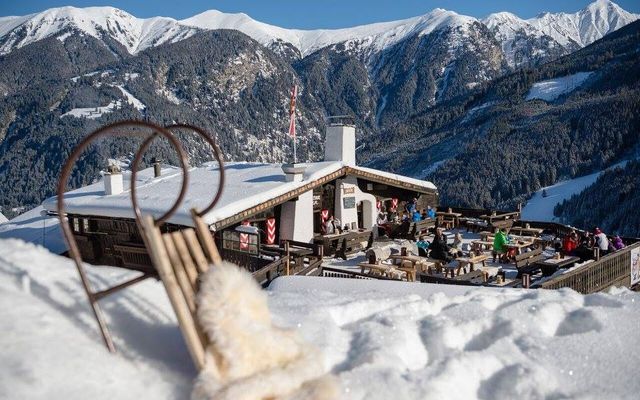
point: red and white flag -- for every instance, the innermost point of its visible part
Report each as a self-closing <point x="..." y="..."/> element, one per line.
<point x="292" y="112"/>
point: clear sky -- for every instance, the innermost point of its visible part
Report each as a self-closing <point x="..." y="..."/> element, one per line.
<point x="309" y="14"/>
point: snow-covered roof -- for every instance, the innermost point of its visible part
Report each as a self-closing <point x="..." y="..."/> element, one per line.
<point x="247" y="185"/>
<point x="3" y="218"/>
<point x="400" y="178"/>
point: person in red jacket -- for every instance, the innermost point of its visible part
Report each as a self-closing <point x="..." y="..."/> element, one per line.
<point x="570" y="243"/>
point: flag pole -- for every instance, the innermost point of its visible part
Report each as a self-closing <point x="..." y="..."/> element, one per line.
<point x="292" y="120"/>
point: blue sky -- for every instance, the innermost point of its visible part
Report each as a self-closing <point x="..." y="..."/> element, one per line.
<point x="307" y="14"/>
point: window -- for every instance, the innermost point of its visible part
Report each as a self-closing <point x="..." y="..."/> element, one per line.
<point x="85" y="225"/>
<point x="76" y="225"/>
<point x="239" y="241"/>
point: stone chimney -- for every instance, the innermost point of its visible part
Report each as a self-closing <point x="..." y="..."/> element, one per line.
<point x="340" y="140"/>
<point x="157" y="167"/>
<point x="113" y="181"/>
<point x="293" y="172"/>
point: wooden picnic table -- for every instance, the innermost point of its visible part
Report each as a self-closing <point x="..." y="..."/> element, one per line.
<point x="524" y="230"/>
<point x="477" y="244"/>
<point x="455" y="216"/>
<point x="409" y="264"/>
<point x="471" y="261"/>
<point x="387" y="270"/>
<point x="517" y="246"/>
<point x="551" y="265"/>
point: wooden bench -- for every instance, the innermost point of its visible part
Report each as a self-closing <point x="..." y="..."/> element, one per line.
<point x="473" y="278"/>
<point x="350" y="243"/>
<point x="421" y="228"/>
<point x="526" y="262"/>
<point x="387" y="270"/>
<point x="471" y="261"/>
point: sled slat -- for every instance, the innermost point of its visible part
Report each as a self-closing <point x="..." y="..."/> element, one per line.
<point x="195" y="249"/>
<point x="178" y="270"/>
<point x="161" y="260"/>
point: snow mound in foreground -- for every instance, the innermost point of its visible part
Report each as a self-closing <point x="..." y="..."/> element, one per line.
<point x="382" y="339"/>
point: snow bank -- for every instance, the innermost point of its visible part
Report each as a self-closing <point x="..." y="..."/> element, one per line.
<point x="381" y="339"/>
<point x="551" y="89"/>
<point x="51" y="347"/>
<point x="35" y="227"/>
<point x="430" y="342"/>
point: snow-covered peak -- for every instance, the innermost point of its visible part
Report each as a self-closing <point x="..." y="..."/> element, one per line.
<point x="377" y="35"/>
<point x="585" y="26"/>
<point x="133" y="33"/>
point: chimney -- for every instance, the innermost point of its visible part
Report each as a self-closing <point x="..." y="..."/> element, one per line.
<point x="293" y="172"/>
<point x="340" y="140"/>
<point x="157" y="169"/>
<point x="113" y="181"/>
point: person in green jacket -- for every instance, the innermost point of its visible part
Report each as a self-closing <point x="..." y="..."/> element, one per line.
<point x="499" y="244"/>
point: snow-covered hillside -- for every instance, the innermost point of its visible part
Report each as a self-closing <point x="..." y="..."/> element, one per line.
<point x="137" y="34"/>
<point x="382" y="339"/>
<point x="540" y="207"/>
<point x="551" y="89"/>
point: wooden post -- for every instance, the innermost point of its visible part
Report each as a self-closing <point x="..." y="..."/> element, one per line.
<point x="288" y="259"/>
<point x="526" y="281"/>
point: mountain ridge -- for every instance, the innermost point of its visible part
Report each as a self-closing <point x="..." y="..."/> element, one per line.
<point x="567" y="30"/>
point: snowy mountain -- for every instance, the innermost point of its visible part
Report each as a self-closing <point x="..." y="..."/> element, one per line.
<point x="554" y="34"/>
<point x="550" y="35"/>
<point x="134" y="34"/>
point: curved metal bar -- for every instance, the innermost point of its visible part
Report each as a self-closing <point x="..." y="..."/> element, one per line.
<point x="134" y="173"/>
<point x="216" y="153"/>
<point x="64" y="223"/>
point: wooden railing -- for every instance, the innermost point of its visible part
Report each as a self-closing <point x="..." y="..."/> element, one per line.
<point x="269" y="272"/>
<point x="341" y="273"/>
<point x="611" y="270"/>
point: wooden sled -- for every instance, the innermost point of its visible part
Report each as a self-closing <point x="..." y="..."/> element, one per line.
<point x="179" y="257"/>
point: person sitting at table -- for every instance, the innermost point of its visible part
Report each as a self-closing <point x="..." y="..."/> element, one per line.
<point x="439" y="248"/>
<point x="583" y="251"/>
<point x="500" y="244"/>
<point x="332" y="225"/>
<point x="382" y="224"/>
<point x="617" y="243"/>
<point x="423" y="246"/>
<point x="457" y="240"/>
<point x="410" y="207"/>
<point x="416" y="216"/>
<point x="569" y="243"/>
<point x="424" y="213"/>
<point x="431" y="212"/>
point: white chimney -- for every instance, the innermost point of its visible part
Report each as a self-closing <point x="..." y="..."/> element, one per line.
<point x="340" y="141"/>
<point x="293" y="172"/>
<point x="113" y="181"/>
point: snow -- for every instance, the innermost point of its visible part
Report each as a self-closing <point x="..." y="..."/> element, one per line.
<point x="64" y="36"/>
<point x="137" y="34"/>
<point x="401" y="178"/>
<point x="131" y="99"/>
<point x="3" y="219"/>
<point x="93" y="112"/>
<point x="381" y="339"/>
<point x="36" y="227"/>
<point x="551" y="89"/>
<point x="540" y="208"/>
<point x="52" y="347"/>
<point x="247" y="185"/>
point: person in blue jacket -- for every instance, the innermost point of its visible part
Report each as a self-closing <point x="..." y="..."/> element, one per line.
<point x="431" y="213"/>
<point x="416" y="216"/>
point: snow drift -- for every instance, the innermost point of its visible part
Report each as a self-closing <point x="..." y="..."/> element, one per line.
<point x="383" y="340"/>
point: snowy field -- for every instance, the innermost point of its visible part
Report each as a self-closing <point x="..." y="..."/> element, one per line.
<point x="551" y="89"/>
<point x="382" y="339"/>
<point x="540" y="208"/>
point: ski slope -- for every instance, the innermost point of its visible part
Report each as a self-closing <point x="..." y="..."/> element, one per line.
<point x="540" y="208"/>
